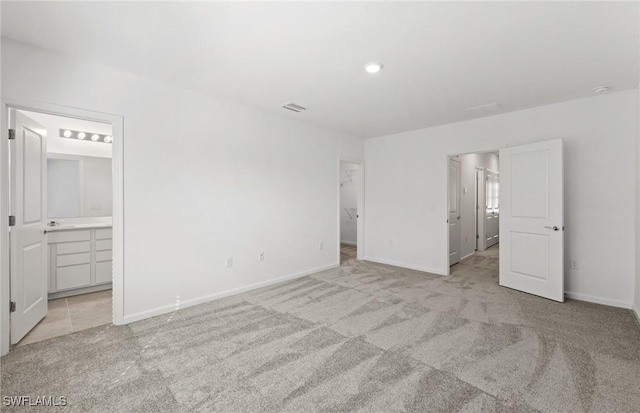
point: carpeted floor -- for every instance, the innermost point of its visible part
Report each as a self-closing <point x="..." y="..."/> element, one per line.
<point x="364" y="337"/>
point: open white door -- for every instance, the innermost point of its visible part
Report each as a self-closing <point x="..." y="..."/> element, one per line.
<point x="531" y="219"/>
<point x="29" y="262"/>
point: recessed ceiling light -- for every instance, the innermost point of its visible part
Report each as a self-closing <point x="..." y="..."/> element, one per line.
<point x="601" y="89"/>
<point x="373" y="67"/>
<point x="95" y="137"/>
<point x="67" y="133"/>
<point x="81" y="135"/>
<point x="108" y="139"/>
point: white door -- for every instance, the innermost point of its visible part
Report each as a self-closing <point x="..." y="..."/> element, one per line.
<point x="29" y="263"/>
<point x="454" y="211"/>
<point x="492" y="208"/>
<point x="531" y="227"/>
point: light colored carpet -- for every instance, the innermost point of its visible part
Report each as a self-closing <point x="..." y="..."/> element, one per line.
<point x="364" y="337"/>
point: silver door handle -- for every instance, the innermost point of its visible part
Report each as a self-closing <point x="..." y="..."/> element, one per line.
<point x="553" y="228"/>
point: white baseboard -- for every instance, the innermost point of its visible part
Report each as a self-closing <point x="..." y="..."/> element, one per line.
<point x="349" y="243"/>
<point x="636" y="312"/>
<point x="402" y="265"/>
<point x="211" y="297"/>
<point x="467" y="256"/>
<point x="78" y="291"/>
<point x="597" y="300"/>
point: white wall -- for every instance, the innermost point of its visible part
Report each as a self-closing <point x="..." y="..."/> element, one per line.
<point x="599" y="137"/>
<point x="468" y="164"/>
<point x="204" y="180"/>
<point x="349" y="182"/>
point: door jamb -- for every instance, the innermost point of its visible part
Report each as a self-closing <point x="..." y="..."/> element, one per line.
<point x="117" y="162"/>
<point x="360" y="219"/>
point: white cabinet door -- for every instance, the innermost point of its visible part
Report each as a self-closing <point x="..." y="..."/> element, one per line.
<point x="29" y="250"/>
<point x="531" y="227"/>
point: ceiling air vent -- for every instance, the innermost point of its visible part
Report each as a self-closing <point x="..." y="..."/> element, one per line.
<point x="486" y="109"/>
<point x="292" y="106"/>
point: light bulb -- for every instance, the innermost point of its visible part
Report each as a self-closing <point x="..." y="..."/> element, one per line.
<point x="108" y="139"/>
<point x="373" y="67"/>
<point x="67" y="134"/>
<point x="81" y="135"/>
<point x="95" y="137"/>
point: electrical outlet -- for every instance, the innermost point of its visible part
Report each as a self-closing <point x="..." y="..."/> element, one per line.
<point x="321" y="246"/>
<point x="574" y="264"/>
<point x="261" y="256"/>
<point x="230" y="262"/>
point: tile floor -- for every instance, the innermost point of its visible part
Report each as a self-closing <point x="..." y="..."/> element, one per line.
<point x="71" y="314"/>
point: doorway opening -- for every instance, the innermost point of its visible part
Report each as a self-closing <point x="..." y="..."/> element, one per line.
<point x="64" y="237"/>
<point x="473" y="205"/>
<point x="350" y="211"/>
<point x="529" y="221"/>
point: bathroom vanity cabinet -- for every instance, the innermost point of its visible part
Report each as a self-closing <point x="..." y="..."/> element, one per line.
<point x="80" y="260"/>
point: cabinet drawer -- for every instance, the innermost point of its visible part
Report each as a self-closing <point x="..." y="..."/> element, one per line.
<point x="104" y="255"/>
<point x="73" y="247"/>
<point x="104" y="233"/>
<point x="73" y="276"/>
<point x="68" y="236"/>
<point x="103" y="244"/>
<point x="104" y="271"/>
<point x="74" y="259"/>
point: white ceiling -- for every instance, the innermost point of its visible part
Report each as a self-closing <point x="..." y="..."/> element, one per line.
<point x="440" y="58"/>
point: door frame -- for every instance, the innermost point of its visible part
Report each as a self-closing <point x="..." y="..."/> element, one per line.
<point x="117" y="166"/>
<point x="360" y="219"/>
<point x="445" y="221"/>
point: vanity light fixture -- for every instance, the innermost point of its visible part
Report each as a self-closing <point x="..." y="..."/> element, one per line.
<point x="95" y="137"/>
<point x="373" y="67"/>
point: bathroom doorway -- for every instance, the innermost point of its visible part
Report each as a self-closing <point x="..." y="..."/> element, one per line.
<point x="66" y="223"/>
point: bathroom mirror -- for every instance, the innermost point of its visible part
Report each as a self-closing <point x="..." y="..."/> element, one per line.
<point x="78" y="186"/>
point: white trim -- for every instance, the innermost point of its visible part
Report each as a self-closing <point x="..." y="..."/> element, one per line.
<point x="5" y="296"/>
<point x="597" y="300"/>
<point x="117" y="124"/>
<point x="361" y="208"/>
<point x="355" y="244"/>
<point x="468" y="256"/>
<point x="211" y="297"/>
<point x="408" y="266"/>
